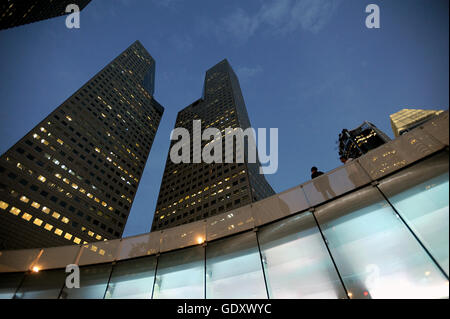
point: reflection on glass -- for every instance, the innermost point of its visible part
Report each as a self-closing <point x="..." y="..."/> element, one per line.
<point x="93" y="281"/>
<point x="425" y="209"/>
<point x="233" y="269"/>
<point x="42" y="285"/>
<point x="132" y="279"/>
<point x="9" y="282"/>
<point x="376" y="255"/>
<point x="354" y="174"/>
<point x="322" y="185"/>
<point x="181" y="275"/>
<point x="296" y="261"/>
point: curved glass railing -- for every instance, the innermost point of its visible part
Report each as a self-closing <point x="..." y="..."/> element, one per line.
<point x="377" y="227"/>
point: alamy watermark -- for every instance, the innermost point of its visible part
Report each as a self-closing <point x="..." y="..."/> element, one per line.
<point x="73" y="19"/>
<point x="245" y="149"/>
<point x="73" y="279"/>
<point x="373" y="19"/>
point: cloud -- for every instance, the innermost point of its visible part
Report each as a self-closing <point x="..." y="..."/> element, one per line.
<point x="165" y="3"/>
<point x="181" y="43"/>
<point x="240" y="24"/>
<point x="278" y="17"/>
<point x="245" y="72"/>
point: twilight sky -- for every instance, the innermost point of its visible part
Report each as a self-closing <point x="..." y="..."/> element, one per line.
<point x="307" y="67"/>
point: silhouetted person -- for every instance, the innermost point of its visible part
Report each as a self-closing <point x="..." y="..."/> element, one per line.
<point x="315" y="172"/>
<point x="322" y="184"/>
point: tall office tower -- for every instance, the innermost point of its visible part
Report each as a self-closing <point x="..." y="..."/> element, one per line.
<point x="195" y="191"/>
<point x="408" y="119"/>
<point x="366" y="137"/>
<point x="73" y="178"/>
<point x="19" y="12"/>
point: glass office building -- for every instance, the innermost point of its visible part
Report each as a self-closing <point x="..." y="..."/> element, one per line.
<point x="196" y="190"/>
<point x="383" y="234"/>
<point x="73" y="177"/>
<point x="364" y="138"/>
<point x="15" y="13"/>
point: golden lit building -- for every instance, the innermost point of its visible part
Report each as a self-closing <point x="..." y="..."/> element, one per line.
<point x="407" y="119"/>
<point x="73" y="178"/>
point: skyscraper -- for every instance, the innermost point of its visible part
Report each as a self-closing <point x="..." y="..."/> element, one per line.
<point x="73" y="177"/>
<point x="195" y="191"/>
<point x="408" y="119"/>
<point x="364" y="138"/>
<point x="19" y="12"/>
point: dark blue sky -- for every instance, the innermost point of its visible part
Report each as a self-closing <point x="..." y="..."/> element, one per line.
<point x="307" y="67"/>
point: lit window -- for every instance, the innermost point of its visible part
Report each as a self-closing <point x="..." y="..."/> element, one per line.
<point x="43" y="141"/>
<point x="89" y="195"/>
<point x="46" y="210"/>
<point x="58" y="231"/>
<point x="75" y="186"/>
<point x="58" y="175"/>
<point x="43" y="130"/>
<point x="36" y="136"/>
<point x="3" y="205"/>
<point x="98" y="237"/>
<point x="26" y="216"/>
<point x="48" y="227"/>
<point x="65" y="220"/>
<point x="69" y="118"/>
<point x="24" y="199"/>
<point x="15" y="211"/>
<point x="42" y="178"/>
<point x="56" y="215"/>
<point x="68" y="236"/>
<point x="37" y="221"/>
<point x="97" y="150"/>
<point x="65" y="180"/>
<point x="90" y="233"/>
<point x="77" y="240"/>
<point x="36" y="205"/>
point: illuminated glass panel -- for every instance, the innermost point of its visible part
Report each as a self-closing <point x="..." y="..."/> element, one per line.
<point x="233" y="269"/>
<point x="375" y="253"/>
<point x="9" y="283"/>
<point x="132" y="279"/>
<point x="181" y="275"/>
<point x="424" y="207"/>
<point x="93" y="281"/>
<point x="296" y="261"/>
<point x="42" y="285"/>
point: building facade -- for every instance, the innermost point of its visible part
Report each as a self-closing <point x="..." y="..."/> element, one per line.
<point x="73" y="177"/>
<point x="14" y="13"/>
<point x="408" y="119"/>
<point x="366" y="137"/>
<point x="193" y="191"/>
